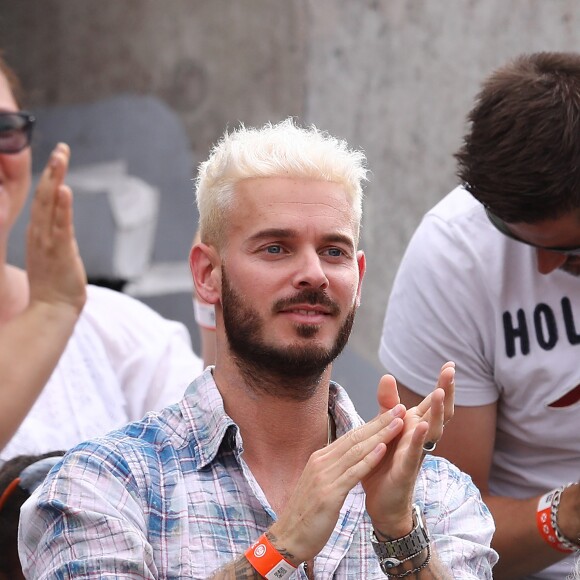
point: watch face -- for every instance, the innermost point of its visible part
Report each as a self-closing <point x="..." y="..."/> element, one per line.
<point x="389" y="563"/>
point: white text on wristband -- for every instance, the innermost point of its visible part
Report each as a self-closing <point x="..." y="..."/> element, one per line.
<point x="267" y="561"/>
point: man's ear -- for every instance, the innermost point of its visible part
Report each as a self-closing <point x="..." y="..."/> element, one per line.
<point x="362" y="267"/>
<point x="205" y="265"/>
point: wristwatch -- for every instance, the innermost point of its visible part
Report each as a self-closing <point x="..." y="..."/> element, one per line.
<point x="394" y="552"/>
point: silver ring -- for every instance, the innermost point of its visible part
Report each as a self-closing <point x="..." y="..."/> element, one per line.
<point x="429" y="446"/>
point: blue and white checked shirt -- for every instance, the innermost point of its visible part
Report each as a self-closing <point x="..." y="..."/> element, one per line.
<point x="170" y="496"/>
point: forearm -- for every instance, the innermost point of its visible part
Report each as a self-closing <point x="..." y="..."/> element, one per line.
<point x="30" y="347"/>
<point x="242" y="567"/>
<point x="517" y="539"/>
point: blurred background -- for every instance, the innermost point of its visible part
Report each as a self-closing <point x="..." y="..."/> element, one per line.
<point x="141" y="89"/>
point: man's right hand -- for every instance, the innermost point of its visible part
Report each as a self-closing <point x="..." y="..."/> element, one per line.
<point x="310" y="515"/>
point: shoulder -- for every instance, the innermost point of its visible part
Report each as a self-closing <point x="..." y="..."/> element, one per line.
<point x="458" y="204"/>
<point x="101" y="299"/>
<point x="454" y="241"/>
<point x="126" y="318"/>
<point x="457" y="222"/>
<point x="133" y="455"/>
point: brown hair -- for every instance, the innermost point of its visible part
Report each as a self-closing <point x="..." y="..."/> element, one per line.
<point x="521" y="156"/>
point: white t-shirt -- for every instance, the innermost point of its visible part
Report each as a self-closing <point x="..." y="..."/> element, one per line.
<point x="122" y="360"/>
<point x="467" y="293"/>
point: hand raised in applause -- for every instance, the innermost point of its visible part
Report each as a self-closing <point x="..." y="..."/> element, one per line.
<point x="306" y="523"/>
<point x="55" y="270"/>
<point x="389" y="487"/>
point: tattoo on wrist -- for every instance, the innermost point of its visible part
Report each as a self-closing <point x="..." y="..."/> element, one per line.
<point x="241" y="569"/>
<point x="285" y="553"/>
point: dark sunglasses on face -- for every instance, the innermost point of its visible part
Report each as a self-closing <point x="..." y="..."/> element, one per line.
<point x="15" y="131"/>
<point x="501" y="226"/>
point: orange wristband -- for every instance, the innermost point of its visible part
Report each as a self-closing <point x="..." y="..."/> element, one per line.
<point x="545" y="518"/>
<point x="267" y="561"/>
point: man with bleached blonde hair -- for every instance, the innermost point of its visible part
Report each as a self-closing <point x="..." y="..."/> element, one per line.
<point x="264" y="469"/>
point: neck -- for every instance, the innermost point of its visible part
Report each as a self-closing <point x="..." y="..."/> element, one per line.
<point x="274" y="412"/>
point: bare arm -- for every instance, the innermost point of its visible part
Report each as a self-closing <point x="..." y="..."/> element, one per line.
<point x="468" y="442"/>
<point x="32" y="342"/>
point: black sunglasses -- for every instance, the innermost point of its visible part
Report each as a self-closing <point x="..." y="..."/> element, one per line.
<point x="501" y="226"/>
<point x="15" y="131"/>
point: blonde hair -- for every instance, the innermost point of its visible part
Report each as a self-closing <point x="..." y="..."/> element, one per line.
<point x="280" y="150"/>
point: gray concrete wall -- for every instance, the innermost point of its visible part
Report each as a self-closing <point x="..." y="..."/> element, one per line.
<point x="395" y="77"/>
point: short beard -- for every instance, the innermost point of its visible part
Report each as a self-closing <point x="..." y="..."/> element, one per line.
<point x="293" y="371"/>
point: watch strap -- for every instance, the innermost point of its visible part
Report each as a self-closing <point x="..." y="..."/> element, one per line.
<point x="393" y="553"/>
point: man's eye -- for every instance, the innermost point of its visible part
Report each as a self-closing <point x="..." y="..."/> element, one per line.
<point x="274" y="249"/>
<point x="334" y="252"/>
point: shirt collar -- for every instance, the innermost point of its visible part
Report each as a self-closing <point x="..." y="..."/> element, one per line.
<point x="210" y="426"/>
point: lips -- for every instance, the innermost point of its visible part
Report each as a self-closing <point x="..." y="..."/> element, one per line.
<point x="305" y="312"/>
<point x="308" y="303"/>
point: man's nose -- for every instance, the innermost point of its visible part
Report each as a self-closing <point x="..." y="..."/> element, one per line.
<point x="310" y="272"/>
<point x="549" y="261"/>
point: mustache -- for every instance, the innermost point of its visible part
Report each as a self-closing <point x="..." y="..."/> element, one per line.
<point x="308" y="297"/>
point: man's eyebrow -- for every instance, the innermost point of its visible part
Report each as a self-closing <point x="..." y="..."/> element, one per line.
<point x="340" y="239"/>
<point x="287" y="233"/>
<point x="279" y="233"/>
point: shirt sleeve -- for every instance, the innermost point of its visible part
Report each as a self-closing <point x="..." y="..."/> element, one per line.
<point x="151" y="356"/>
<point x="460" y="524"/>
<point x="439" y="310"/>
<point x="103" y="536"/>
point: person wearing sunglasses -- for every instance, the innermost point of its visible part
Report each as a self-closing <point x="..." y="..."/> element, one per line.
<point x="39" y="308"/>
<point x="491" y="279"/>
<point x="68" y="375"/>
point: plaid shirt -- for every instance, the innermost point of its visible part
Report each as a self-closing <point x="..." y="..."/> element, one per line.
<point x="170" y="496"/>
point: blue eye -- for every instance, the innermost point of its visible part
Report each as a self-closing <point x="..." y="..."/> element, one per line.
<point x="274" y="249"/>
<point x="334" y="252"/>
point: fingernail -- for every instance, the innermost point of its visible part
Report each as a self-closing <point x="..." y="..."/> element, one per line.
<point x="398" y="410"/>
<point x="52" y="162"/>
